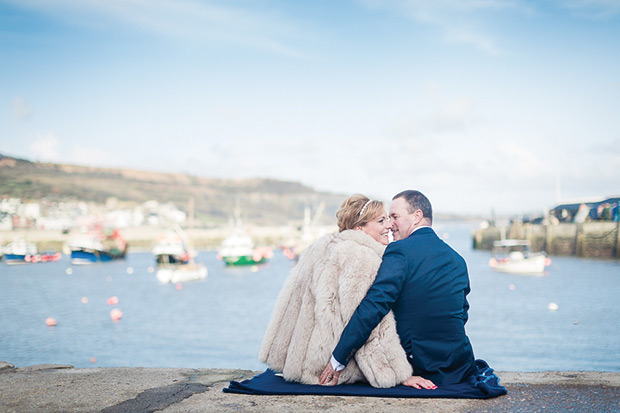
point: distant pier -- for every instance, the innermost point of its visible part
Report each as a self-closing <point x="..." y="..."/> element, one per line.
<point x="588" y="240"/>
<point x="144" y="238"/>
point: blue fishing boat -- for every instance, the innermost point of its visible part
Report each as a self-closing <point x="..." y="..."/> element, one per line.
<point x="94" y="247"/>
<point x="20" y="252"/>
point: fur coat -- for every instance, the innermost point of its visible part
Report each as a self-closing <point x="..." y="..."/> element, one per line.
<point x="317" y="300"/>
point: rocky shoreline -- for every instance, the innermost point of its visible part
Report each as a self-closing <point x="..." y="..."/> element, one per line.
<point x="55" y="388"/>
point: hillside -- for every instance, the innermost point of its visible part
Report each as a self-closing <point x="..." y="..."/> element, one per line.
<point x="263" y="201"/>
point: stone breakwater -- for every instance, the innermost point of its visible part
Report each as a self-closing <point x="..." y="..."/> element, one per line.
<point x="54" y="388"/>
<point x="590" y="239"/>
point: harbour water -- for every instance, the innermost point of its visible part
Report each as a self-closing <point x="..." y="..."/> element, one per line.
<point x="219" y="322"/>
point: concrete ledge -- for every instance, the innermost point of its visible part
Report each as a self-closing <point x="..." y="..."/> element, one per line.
<point x="52" y="388"/>
<point x="574" y="378"/>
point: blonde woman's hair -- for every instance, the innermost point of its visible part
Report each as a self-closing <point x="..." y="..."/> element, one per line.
<point x="357" y="210"/>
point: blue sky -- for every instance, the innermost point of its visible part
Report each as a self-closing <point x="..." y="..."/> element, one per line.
<point x="484" y="105"/>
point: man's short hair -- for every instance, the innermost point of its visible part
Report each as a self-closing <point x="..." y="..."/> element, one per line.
<point x="417" y="200"/>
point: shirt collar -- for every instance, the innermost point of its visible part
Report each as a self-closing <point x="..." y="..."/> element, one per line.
<point x="417" y="228"/>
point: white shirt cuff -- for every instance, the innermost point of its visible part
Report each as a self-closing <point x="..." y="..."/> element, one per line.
<point x="336" y="364"/>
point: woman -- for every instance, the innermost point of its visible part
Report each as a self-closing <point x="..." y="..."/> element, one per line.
<point x="320" y="296"/>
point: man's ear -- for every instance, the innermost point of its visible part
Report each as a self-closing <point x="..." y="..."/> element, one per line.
<point x="418" y="216"/>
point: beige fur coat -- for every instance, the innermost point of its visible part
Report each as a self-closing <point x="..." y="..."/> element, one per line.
<point x="317" y="300"/>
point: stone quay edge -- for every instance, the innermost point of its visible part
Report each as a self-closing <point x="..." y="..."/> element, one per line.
<point x="60" y="388"/>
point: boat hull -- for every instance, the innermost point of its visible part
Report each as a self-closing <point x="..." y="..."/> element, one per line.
<point x="531" y="265"/>
<point x="12" y="259"/>
<point x="181" y="273"/>
<point x="84" y="257"/>
<point x="243" y="260"/>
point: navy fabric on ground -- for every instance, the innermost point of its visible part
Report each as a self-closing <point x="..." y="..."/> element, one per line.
<point x="483" y="385"/>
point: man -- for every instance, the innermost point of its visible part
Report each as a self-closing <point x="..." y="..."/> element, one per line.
<point x="425" y="283"/>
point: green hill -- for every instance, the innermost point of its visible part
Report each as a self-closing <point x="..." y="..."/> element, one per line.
<point x="262" y="201"/>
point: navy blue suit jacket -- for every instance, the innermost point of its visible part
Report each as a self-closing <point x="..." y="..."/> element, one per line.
<point x="425" y="282"/>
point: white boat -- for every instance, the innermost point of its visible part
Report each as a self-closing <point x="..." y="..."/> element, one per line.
<point x="175" y="259"/>
<point x="310" y="232"/>
<point x="171" y="249"/>
<point x="514" y="256"/>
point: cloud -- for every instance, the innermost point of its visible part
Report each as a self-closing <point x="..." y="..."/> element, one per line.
<point x="469" y="37"/>
<point x="455" y="116"/>
<point x="459" y="21"/>
<point x="83" y="155"/>
<point x="21" y="109"/>
<point x="202" y="21"/>
<point x="522" y="163"/>
<point x="594" y="9"/>
<point x="45" y="148"/>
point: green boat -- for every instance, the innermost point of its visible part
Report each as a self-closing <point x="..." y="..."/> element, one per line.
<point x="238" y="248"/>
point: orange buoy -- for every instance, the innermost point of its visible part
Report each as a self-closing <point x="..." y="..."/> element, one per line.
<point x="179" y="286"/>
<point x="116" y="314"/>
<point x="112" y="300"/>
<point x="84" y="300"/>
<point x="50" y="322"/>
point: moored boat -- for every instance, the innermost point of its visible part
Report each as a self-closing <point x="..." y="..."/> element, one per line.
<point x="171" y="249"/>
<point x="175" y="259"/>
<point x="239" y="249"/>
<point x="20" y="252"/>
<point x="181" y="273"/>
<point x="93" y="247"/>
<point x="514" y="256"/>
<point x="49" y="256"/>
<point x="309" y="233"/>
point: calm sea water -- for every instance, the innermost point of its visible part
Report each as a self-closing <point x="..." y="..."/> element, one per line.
<point x="220" y="321"/>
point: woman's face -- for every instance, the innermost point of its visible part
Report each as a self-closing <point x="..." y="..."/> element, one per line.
<point x="379" y="228"/>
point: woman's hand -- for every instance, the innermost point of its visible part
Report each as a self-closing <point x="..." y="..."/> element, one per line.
<point x="329" y="377"/>
<point x="419" y="383"/>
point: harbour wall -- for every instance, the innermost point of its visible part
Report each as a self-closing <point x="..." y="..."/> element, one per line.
<point x="145" y="238"/>
<point x="589" y="239"/>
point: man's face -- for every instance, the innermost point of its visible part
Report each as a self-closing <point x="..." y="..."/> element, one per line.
<point x="402" y="221"/>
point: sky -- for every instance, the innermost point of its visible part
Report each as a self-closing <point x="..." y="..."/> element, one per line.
<point x="486" y="106"/>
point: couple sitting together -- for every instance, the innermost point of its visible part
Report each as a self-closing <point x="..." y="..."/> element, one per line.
<point x="354" y="310"/>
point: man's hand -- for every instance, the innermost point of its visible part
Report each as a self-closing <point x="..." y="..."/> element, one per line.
<point x="419" y="383"/>
<point x="329" y="377"/>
